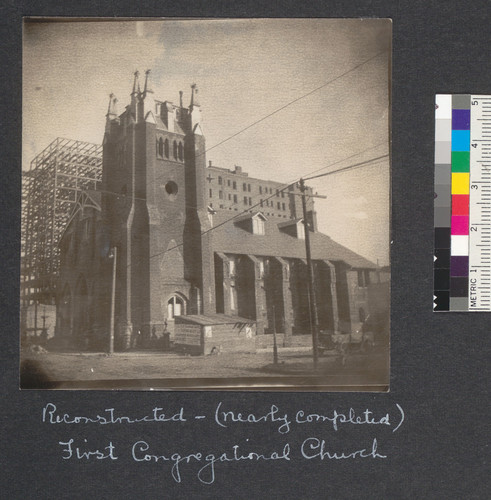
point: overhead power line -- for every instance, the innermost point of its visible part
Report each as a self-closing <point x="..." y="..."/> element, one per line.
<point x="369" y="162"/>
<point x="281" y="108"/>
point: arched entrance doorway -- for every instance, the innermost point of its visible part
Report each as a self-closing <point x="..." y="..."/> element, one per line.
<point x="176" y="306"/>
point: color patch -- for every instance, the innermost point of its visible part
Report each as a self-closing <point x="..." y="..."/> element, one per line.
<point x="459" y="286"/>
<point x="442" y="237"/>
<point x="460" y="224"/>
<point x="460" y="161"/>
<point x="460" y="183"/>
<point x="460" y="204"/>
<point x="459" y="265"/>
<point x="461" y="140"/>
<point x="461" y="119"/>
<point x="459" y="245"/>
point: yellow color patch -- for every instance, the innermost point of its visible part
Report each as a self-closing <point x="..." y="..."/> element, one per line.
<point x="460" y="183"/>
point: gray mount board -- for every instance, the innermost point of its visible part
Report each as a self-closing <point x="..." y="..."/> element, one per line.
<point x="438" y="362"/>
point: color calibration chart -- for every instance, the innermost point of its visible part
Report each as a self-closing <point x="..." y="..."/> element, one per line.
<point x="462" y="216"/>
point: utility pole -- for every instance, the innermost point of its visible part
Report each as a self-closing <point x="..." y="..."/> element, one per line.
<point x="314" y="323"/>
<point x="113" y="255"/>
<point x="275" y="341"/>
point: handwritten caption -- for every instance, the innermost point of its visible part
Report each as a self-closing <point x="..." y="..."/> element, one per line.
<point x="310" y="448"/>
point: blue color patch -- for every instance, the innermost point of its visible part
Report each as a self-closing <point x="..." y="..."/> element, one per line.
<point x="461" y="140"/>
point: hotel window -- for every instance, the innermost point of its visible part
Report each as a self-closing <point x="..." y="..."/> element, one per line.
<point x="228" y="182"/>
<point x="261" y="202"/>
<point x="235" y="185"/>
<point x="219" y="180"/>
<point x="277" y="192"/>
<point x="250" y="201"/>
<point x="220" y="195"/>
<point x="245" y="200"/>
<point x="283" y="206"/>
<point x="244" y="187"/>
<point x="278" y="204"/>
<point x="249" y="188"/>
<point x="235" y="198"/>
<point x="211" y="193"/>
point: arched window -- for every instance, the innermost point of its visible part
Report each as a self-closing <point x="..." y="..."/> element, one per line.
<point x="175" y="307"/>
<point x="161" y="147"/>
<point x="166" y="148"/>
<point x="175" y="150"/>
<point x="181" y="156"/>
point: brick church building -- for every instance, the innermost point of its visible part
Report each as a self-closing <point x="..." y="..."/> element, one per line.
<point x="196" y="244"/>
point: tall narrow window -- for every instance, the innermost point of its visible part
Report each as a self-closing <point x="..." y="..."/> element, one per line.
<point x="235" y="198"/>
<point x="211" y="193"/>
<point x="161" y="147"/>
<point x="235" y="185"/>
<point x="220" y="195"/>
<point x="257" y="225"/>
<point x="219" y="180"/>
<point x="180" y="152"/>
<point x="233" y="306"/>
<point x="244" y="187"/>
<point x="232" y="269"/>
<point x="174" y="146"/>
<point x="166" y="148"/>
<point x="175" y="307"/>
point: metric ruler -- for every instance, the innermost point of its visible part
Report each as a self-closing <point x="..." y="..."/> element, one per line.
<point x="462" y="203"/>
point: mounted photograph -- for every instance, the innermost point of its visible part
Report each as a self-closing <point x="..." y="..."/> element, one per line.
<point x="206" y="204"/>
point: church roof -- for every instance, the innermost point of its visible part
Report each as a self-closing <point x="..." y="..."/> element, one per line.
<point x="232" y="238"/>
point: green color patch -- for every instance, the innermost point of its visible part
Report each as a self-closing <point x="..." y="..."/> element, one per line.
<point x="460" y="161"/>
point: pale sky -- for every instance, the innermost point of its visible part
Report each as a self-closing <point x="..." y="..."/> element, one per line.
<point x="244" y="70"/>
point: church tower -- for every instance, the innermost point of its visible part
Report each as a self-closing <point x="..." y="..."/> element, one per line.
<point x="155" y="211"/>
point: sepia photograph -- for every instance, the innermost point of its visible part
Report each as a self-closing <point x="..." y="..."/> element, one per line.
<point x="206" y="204"/>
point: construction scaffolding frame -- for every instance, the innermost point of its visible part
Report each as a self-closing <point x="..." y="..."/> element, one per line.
<point x="49" y="190"/>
